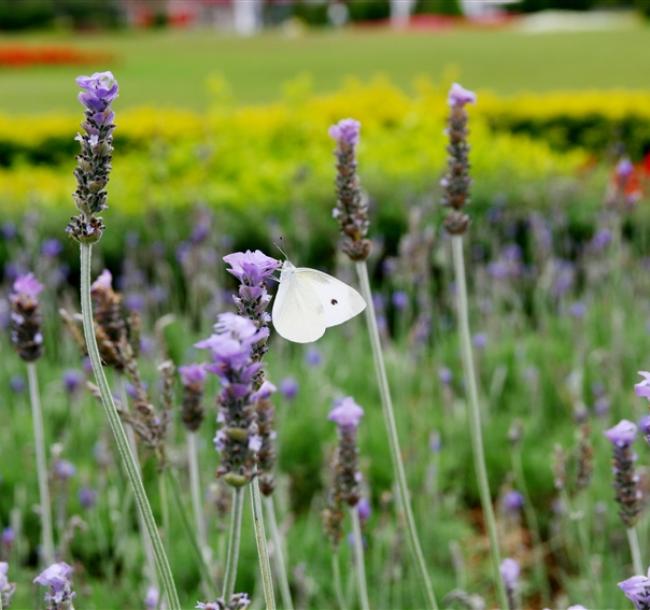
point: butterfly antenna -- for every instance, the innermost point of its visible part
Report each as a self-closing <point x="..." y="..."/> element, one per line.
<point x="279" y="248"/>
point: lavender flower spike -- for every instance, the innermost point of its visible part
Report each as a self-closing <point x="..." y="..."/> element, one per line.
<point x="626" y="481"/>
<point x="351" y="209"/>
<point x="459" y="96"/>
<point x="60" y="593"/>
<point x="193" y="378"/>
<point x="26" y="319"/>
<point x="346" y="413"/>
<point x="637" y="590"/>
<point x="457" y="181"/>
<point x="642" y="388"/>
<point x="232" y="353"/>
<point x="510" y="574"/>
<point x="7" y="589"/>
<point x="239" y="601"/>
<point x="94" y="160"/>
<point x="253" y="270"/>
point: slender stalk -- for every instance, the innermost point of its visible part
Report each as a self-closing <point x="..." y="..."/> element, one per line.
<point x="150" y="567"/>
<point x="234" y="536"/>
<point x="47" y="536"/>
<point x="164" y="505"/>
<point x="191" y="534"/>
<point x="338" y="585"/>
<point x="533" y="524"/>
<point x="393" y="438"/>
<point x="475" y="416"/>
<point x="126" y="455"/>
<point x="278" y="554"/>
<point x="195" y="488"/>
<point x="635" y="550"/>
<point x="359" y="559"/>
<point x="262" y="547"/>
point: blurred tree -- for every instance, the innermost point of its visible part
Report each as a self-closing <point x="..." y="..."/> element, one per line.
<point x="440" y="7"/>
<point x="26" y="14"/>
<point x="369" y="10"/>
<point x="32" y="14"/>
<point x="643" y="6"/>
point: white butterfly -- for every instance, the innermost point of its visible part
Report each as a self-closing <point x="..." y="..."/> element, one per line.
<point x="309" y="301"/>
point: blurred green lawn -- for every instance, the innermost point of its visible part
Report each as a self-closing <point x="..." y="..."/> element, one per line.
<point x="171" y="67"/>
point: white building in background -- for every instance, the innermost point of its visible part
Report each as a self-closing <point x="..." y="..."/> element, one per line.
<point x="483" y="8"/>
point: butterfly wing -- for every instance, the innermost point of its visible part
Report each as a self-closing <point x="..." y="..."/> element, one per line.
<point x="339" y="301"/>
<point x="297" y="314"/>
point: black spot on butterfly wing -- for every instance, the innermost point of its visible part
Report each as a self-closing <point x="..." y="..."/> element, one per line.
<point x="334" y="302"/>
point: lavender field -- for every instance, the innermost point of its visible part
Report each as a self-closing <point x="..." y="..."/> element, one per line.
<point x="353" y="348"/>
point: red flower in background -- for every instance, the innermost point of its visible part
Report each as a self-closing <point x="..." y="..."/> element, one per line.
<point x="20" y="56"/>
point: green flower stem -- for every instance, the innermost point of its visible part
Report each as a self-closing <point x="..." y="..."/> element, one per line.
<point x="47" y="536"/>
<point x="204" y="567"/>
<point x="150" y="567"/>
<point x="359" y="559"/>
<point x="262" y="547"/>
<point x="635" y="550"/>
<point x="533" y="524"/>
<point x="475" y="416"/>
<point x="195" y="489"/>
<point x="278" y="554"/>
<point x="164" y="505"/>
<point x="234" y="537"/>
<point x="338" y="585"/>
<point x="393" y="438"/>
<point x="128" y="460"/>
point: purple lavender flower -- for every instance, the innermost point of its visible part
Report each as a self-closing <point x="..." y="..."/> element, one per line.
<point x="624" y="169"/>
<point x="364" y="510"/>
<point x="26" y="320"/>
<point x="87" y="497"/>
<point x="346" y="132"/>
<point x="459" y="96"/>
<point x="251" y="268"/>
<point x="637" y="590"/>
<point x="7" y="589"/>
<point x="578" y="310"/>
<point x="513" y="502"/>
<point x="152" y="598"/>
<point x="626" y="481"/>
<point x="313" y="357"/>
<point x="400" y="300"/>
<point x="63" y="470"/>
<point x="8" y="536"/>
<point x="601" y="240"/>
<point x="8" y="230"/>
<point x="232" y="354"/>
<point x="480" y="340"/>
<point x="193" y="377"/>
<point x="51" y="248"/>
<point x="192" y="374"/>
<point x="351" y="209"/>
<point x="642" y="388"/>
<point x="17" y="384"/>
<point x="644" y="426"/>
<point x="94" y="160"/>
<point x="346" y="413"/>
<point x="57" y="578"/>
<point x="72" y="381"/>
<point x="622" y="434"/>
<point x="445" y="375"/>
<point x="27" y="287"/>
<point x="510" y="574"/>
<point x="289" y="388"/>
